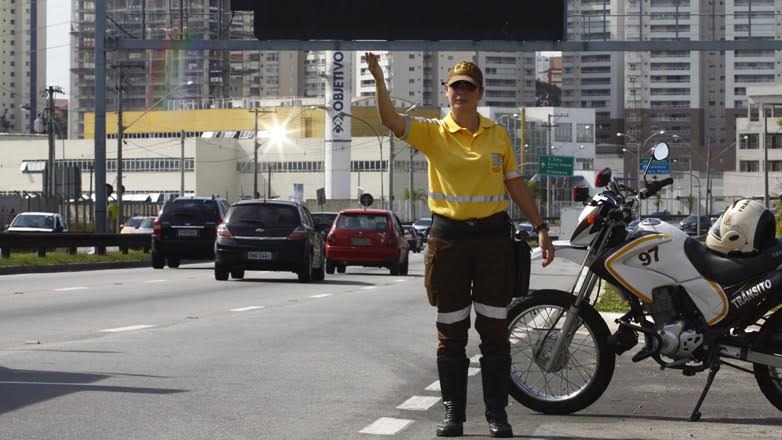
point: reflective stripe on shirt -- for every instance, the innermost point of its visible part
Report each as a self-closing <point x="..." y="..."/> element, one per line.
<point x="513" y="174"/>
<point x="467" y="199"/>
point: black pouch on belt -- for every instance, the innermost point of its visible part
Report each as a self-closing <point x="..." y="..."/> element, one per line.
<point x="523" y="262"/>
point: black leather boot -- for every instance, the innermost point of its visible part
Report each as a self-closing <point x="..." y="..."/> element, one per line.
<point x="453" y="386"/>
<point x="495" y="372"/>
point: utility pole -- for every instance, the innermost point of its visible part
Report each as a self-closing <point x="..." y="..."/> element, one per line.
<point x="182" y="165"/>
<point x="48" y="93"/>
<point x="765" y="155"/>
<point x="120" y="134"/>
<point x="390" y="170"/>
<point x="411" y="190"/>
<point x="256" y="112"/>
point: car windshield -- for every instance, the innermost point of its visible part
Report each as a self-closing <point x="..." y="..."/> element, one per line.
<point x="33" y="221"/>
<point x="363" y="222"/>
<point x="147" y="223"/>
<point x="423" y="222"/>
<point x="266" y="215"/>
<point x="134" y="222"/>
<point x="194" y="209"/>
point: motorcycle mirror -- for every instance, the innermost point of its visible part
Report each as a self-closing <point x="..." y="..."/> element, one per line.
<point x="581" y="193"/>
<point x="660" y="151"/>
<point x="603" y="177"/>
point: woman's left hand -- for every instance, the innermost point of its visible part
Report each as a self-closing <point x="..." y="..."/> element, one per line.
<point x="546" y="246"/>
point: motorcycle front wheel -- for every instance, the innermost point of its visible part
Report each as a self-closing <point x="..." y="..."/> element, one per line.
<point x="578" y="375"/>
<point x="770" y="342"/>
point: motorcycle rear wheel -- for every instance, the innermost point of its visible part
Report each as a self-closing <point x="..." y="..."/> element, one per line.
<point x="580" y="374"/>
<point x="770" y="342"/>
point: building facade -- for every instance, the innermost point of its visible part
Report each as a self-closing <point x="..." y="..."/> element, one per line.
<point x="22" y="63"/>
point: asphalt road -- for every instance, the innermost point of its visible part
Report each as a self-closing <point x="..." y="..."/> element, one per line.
<point x="173" y="354"/>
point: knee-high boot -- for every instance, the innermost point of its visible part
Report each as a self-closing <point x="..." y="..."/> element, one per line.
<point x="453" y="386"/>
<point x="495" y="372"/>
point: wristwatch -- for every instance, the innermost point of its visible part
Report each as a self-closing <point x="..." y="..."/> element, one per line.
<point x="541" y="227"/>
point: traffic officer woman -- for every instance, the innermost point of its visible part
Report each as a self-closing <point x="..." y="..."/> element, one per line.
<point x="469" y="261"/>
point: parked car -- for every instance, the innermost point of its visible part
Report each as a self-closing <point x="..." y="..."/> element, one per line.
<point x="371" y="238"/>
<point x="37" y="222"/>
<point x="186" y="229"/>
<point x="690" y="226"/>
<point x="269" y="235"/>
<point x="324" y="218"/>
<point x="132" y="224"/>
<point x="413" y="239"/>
<point x="147" y="226"/>
<point x="422" y="225"/>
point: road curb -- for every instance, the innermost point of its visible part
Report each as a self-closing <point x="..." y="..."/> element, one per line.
<point x="14" y="270"/>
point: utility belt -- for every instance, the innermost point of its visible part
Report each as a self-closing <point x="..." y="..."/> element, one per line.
<point x="494" y="226"/>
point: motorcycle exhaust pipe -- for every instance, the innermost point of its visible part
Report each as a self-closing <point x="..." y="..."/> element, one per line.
<point x="755" y="357"/>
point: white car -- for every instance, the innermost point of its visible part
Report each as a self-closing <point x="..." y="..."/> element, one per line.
<point x="38" y="222"/>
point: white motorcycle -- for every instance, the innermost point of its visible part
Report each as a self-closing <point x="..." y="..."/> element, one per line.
<point x="705" y="310"/>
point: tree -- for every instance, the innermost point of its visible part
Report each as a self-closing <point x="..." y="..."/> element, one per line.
<point x="534" y="189"/>
<point x="690" y="202"/>
<point x="658" y="201"/>
<point x="418" y="194"/>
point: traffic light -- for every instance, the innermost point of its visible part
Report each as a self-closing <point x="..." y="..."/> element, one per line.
<point x="416" y="20"/>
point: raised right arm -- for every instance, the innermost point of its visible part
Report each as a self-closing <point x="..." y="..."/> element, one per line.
<point x="388" y="115"/>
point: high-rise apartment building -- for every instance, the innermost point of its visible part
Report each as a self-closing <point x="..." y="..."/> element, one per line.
<point x="151" y="75"/>
<point x="22" y="63"/>
<point x="679" y="91"/>
<point x="594" y="79"/>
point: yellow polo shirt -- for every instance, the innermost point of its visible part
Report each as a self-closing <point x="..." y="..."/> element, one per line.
<point x="467" y="171"/>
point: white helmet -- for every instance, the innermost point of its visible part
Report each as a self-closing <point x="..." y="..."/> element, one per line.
<point x="745" y="228"/>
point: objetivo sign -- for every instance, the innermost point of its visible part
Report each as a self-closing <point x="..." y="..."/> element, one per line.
<point x="556" y="165"/>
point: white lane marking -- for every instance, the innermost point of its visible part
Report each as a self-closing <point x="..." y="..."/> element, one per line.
<point x="126" y="329"/>
<point x="369" y="287"/>
<point x="419" y="403"/>
<point x="68" y="289"/>
<point x="322" y="295"/>
<point x="473" y="371"/>
<point x="155" y="281"/>
<point x="435" y="386"/>
<point x="246" y="309"/>
<point x="476" y="359"/>
<point x="400" y="281"/>
<point x="386" y="426"/>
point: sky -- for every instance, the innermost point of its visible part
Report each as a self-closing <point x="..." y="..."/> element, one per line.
<point x="58" y="56"/>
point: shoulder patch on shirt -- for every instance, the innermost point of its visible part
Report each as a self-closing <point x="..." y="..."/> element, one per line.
<point x="496" y="162"/>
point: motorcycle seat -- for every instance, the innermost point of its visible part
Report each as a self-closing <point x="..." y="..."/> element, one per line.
<point x="728" y="271"/>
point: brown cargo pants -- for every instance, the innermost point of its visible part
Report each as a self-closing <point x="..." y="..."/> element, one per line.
<point x="463" y="273"/>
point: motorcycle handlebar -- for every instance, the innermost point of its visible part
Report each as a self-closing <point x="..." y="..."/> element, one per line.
<point x="653" y="187"/>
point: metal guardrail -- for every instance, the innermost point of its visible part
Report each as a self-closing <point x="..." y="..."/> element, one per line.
<point x="71" y="241"/>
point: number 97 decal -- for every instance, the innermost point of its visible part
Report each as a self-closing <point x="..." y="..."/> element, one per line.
<point x="649" y="256"/>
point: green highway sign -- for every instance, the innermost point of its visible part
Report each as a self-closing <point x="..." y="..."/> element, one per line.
<point x="556" y="165"/>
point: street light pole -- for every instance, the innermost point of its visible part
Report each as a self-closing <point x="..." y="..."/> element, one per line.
<point x="256" y="112"/>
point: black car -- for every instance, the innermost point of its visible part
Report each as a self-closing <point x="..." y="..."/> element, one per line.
<point x="186" y="229"/>
<point x="326" y="219"/>
<point x="270" y="235"/>
<point x="690" y="225"/>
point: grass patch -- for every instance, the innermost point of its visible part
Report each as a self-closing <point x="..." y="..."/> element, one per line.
<point x="610" y="301"/>
<point x="20" y="258"/>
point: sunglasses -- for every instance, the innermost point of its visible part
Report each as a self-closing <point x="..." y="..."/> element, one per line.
<point x="463" y="85"/>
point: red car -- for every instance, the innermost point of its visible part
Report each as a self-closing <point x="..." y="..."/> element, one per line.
<point x="367" y="237"/>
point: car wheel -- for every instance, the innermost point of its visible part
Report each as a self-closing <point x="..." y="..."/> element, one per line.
<point x="221" y="272"/>
<point x="403" y="269"/>
<point x="396" y="268"/>
<point x="305" y="274"/>
<point x="173" y="262"/>
<point x="330" y="267"/>
<point x="158" y="261"/>
<point x="237" y="273"/>
<point x="341" y="268"/>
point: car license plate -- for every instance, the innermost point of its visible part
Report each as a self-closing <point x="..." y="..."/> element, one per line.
<point x="257" y="255"/>
<point x="360" y="241"/>
<point x="187" y="233"/>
